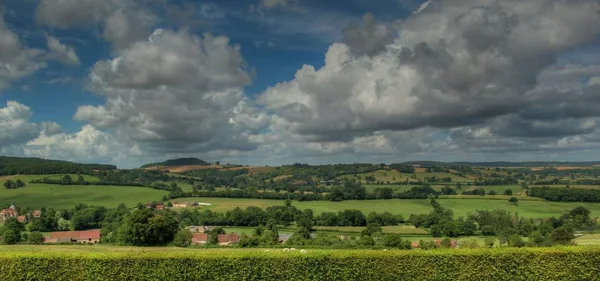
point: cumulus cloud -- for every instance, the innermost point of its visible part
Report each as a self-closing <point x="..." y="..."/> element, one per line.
<point x="176" y="92"/>
<point x="369" y="39"/>
<point x="455" y="63"/>
<point x="123" y="21"/>
<point x="87" y="145"/>
<point x="16" y="60"/>
<point x="15" y="124"/>
<point x="61" y="52"/>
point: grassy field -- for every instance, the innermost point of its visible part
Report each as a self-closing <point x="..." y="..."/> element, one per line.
<point x="395" y="176"/>
<point x="67" y="196"/>
<point x="405" y="207"/>
<point x="400" y="229"/>
<point x="588" y="239"/>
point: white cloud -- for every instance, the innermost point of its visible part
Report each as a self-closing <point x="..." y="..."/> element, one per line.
<point x="87" y="145"/>
<point x="123" y="21"/>
<point x="15" y="126"/>
<point x="176" y="92"/>
<point x="62" y="52"/>
<point x="454" y="63"/>
<point x="16" y="60"/>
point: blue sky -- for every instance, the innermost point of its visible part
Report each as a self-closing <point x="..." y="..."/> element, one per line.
<point x="321" y="81"/>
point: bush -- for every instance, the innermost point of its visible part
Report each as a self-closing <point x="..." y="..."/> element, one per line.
<point x="183" y="238"/>
<point x="11" y="237"/>
<point x="564" y="263"/>
<point x="35" y="238"/>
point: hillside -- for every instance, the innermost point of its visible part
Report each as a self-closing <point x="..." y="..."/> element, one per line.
<point x="25" y="165"/>
<point x="178" y="162"/>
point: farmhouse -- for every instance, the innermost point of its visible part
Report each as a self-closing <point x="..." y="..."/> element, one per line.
<point x="199" y="238"/>
<point x="83" y="237"/>
<point x="228" y="239"/>
<point x="22" y="219"/>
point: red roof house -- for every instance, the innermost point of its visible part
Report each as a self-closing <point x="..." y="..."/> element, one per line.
<point x="85" y="236"/>
<point x="199" y="238"/>
<point x="226" y="239"/>
<point x="37" y="214"/>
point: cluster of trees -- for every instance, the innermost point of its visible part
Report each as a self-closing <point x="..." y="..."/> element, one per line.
<point x="508" y="228"/>
<point x="20" y="165"/>
<point x="12" y="232"/>
<point x="9" y="184"/>
<point x="565" y="194"/>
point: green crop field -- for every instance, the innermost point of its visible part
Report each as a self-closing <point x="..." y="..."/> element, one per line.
<point x="405" y="207"/>
<point x="67" y="196"/>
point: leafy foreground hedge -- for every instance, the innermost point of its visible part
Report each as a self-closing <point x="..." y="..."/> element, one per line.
<point x="569" y="263"/>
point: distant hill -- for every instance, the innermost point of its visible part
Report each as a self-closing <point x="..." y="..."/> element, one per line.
<point x="178" y="162"/>
<point x="27" y="165"/>
<point x="504" y="164"/>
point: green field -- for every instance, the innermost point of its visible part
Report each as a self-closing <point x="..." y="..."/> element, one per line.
<point x="395" y="176"/>
<point x="400" y="229"/>
<point x="405" y="207"/>
<point x="67" y="196"/>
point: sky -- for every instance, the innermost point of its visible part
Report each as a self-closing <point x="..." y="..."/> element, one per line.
<point x="270" y="82"/>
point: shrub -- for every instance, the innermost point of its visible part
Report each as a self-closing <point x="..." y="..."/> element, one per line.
<point x="35" y="238"/>
<point x="11" y="237"/>
<point x="564" y="263"/>
<point x="183" y="238"/>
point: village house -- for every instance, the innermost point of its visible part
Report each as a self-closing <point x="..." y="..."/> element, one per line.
<point x="228" y="239"/>
<point x="199" y="238"/>
<point x="22" y="219"/>
<point x="180" y="205"/>
<point x="36" y="214"/>
<point x="160" y="206"/>
<point x="9" y="212"/>
<point x="193" y="228"/>
<point x="205" y="228"/>
<point x="83" y="237"/>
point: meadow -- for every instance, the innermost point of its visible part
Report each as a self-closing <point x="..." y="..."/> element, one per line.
<point x="67" y="196"/>
<point x="461" y="207"/>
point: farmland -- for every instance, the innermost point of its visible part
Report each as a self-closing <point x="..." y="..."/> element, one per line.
<point x="67" y="196"/>
<point x="405" y="207"/>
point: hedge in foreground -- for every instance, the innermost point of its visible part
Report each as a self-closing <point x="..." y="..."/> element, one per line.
<point x="569" y="263"/>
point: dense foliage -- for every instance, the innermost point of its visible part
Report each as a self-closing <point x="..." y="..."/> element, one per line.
<point x="19" y="165"/>
<point x="565" y="194"/>
<point x="572" y="263"/>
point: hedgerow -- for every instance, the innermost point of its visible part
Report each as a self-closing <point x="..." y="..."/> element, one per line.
<point x="565" y="263"/>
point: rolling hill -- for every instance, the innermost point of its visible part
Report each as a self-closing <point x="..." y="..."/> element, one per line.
<point x="178" y="162"/>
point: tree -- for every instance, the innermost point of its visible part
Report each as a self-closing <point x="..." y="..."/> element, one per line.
<point x="508" y="192"/>
<point x="9" y="184"/>
<point x="513" y="201"/>
<point x="80" y="179"/>
<point x="515" y="240"/>
<point x="66" y="180"/>
<point x="372" y="228"/>
<point x="19" y="183"/>
<point x="183" y="238"/>
<point x="365" y="241"/>
<point x="562" y="235"/>
<point x="35" y="238"/>
<point x="147" y="227"/>
<point x="11" y="237"/>
<point x="492" y="192"/>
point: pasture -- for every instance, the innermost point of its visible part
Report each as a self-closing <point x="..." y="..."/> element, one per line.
<point x="461" y="207"/>
<point x="67" y="196"/>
